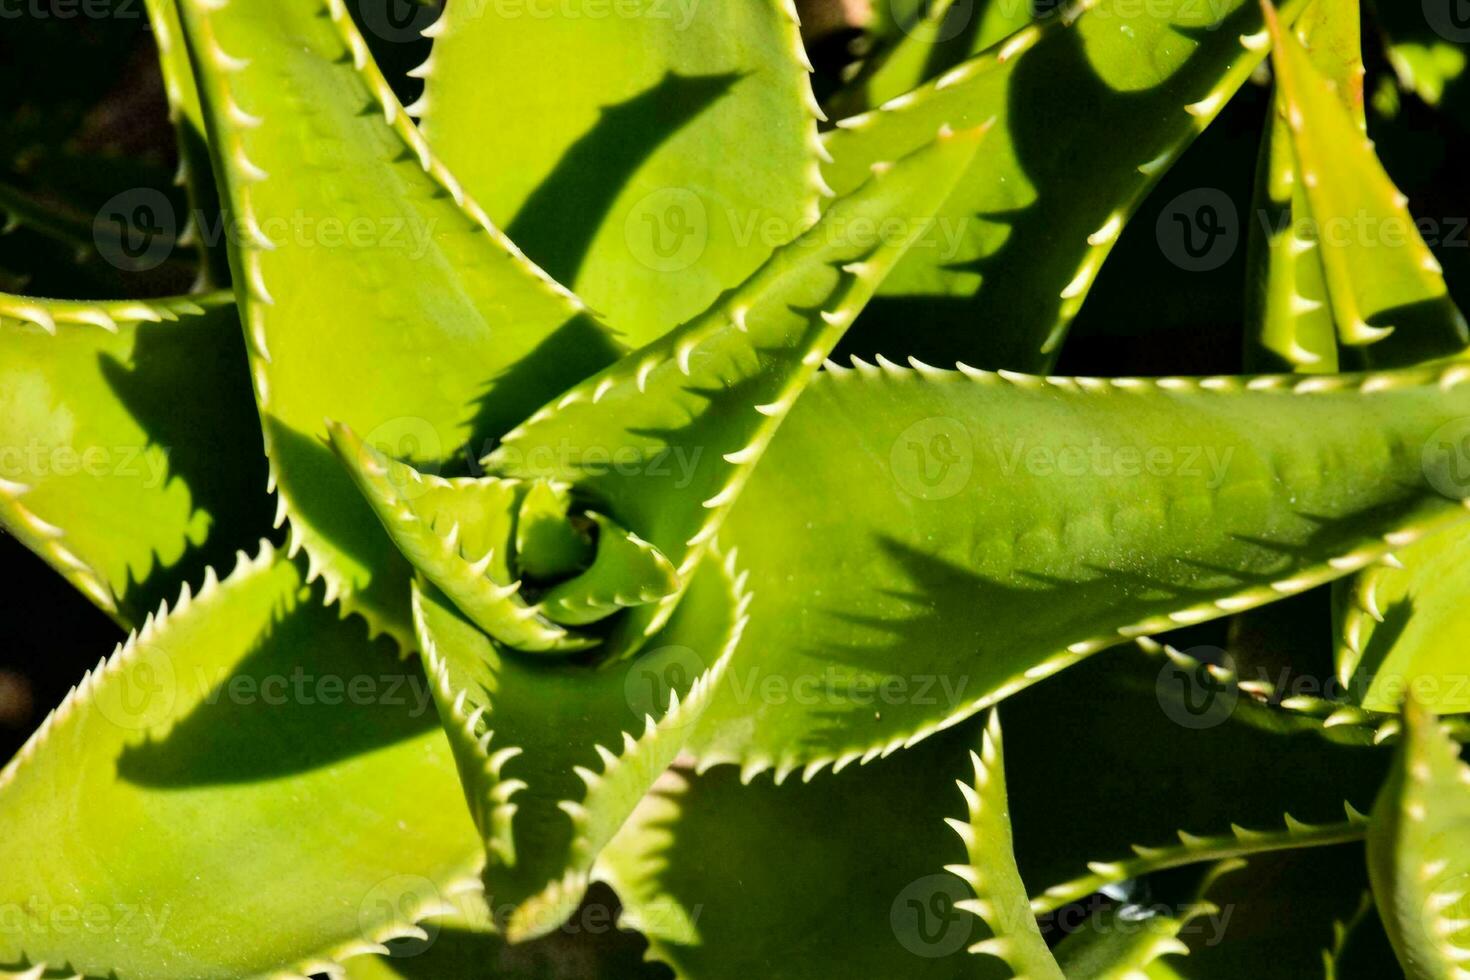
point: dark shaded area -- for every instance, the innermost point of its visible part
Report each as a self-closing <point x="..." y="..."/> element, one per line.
<point x="556" y="225"/>
<point x="313" y="691"/>
<point x="589" y="945"/>
<point x="1006" y="323"/>
<point x="188" y="385"/>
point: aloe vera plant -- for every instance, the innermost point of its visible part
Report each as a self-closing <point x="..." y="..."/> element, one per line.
<point x="611" y="515"/>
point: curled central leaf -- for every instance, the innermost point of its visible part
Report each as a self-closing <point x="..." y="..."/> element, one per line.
<point x="518" y="557"/>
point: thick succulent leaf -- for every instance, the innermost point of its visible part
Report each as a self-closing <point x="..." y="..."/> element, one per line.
<point x="1179" y="771"/>
<point x="1017" y="247"/>
<point x="1384" y="285"/>
<point x="173" y="767"/>
<point x="945" y="34"/>
<point x="548" y="544"/>
<point x="1289" y="323"/>
<point x="990" y="867"/>
<point x="1406" y="626"/>
<point x="1120" y="943"/>
<point x="187" y="115"/>
<point x="1419" y="851"/>
<point x="627" y="572"/>
<point x="458" y="533"/>
<point x="1003" y="527"/>
<point x="102" y="475"/>
<point x="373" y="288"/>
<point x="705" y="400"/>
<point x="1272" y="918"/>
<point x="606" y="151"/>
<point x="840" y="877"/>
<point x="555" y="756"/>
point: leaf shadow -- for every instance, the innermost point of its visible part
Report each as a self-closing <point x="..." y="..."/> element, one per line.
<point x="312" y="691"/>
<point x="559" y="220"/>
<point x="186" y="384"/>
<point x="1055" y="99"/>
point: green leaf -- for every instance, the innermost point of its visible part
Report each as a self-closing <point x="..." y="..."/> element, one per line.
<point x="990" y="867"/>
<point x="1405" y="626"/>
<point x="102" y="475"/>
<point x="1419" y="851"/>
<point x="173" y="768"/>
<point x="548" y="544"/>
<point x="1385" y="287"/>
<point x="1426" y="62"/>
<point x="840" y="877"/>
<point x="944" y="34"/>
<point x="1002" y="527"/>
<point x="187" y="115"/>
<point x="1019" y="244"/>
<point x="664" y="440"/>
<point x="555" y="756"/>
<point x="1288" y="320"/>
<point x="374" y="290"/>
<point x="606" y="152"/>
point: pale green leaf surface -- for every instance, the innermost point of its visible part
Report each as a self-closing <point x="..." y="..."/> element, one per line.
<point x="555" y="756"/>
<point x="374" y="291"/>
<point x="1289" y="324"/>
<point x="840" y="877"/>
<point x="102" y="474"/>
<point x="158" y="793"/>
<point x="1004" y="527"/>
<point x="1407" y="627"/>
<point x="606" y="150"/>
<point x="664" y="440"/>
<point x="990" y="867"/>
<point x="547" y="544"/>
<point x="1109" y="102"/>
<point x="187" y="116"/>
<point x="1419" y="851"/>
<point x="1385" y="288"/>
<point x="947" y="33"/>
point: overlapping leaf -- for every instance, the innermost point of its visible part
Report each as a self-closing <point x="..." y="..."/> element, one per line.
<point x="1004" y="527"/>
<point x="555" y="756"/>
<point x="708" y="397"/>
<point x="103" y="475"/>
<point x="832" y="878"/>
<point x="1383" y="286"/>
<point x="151" y="804"/>
<point x="373" y="289"/>
<point x="606" y="149"/>
<point x="1419" y="851"/>
<point x="1091" y="109"/>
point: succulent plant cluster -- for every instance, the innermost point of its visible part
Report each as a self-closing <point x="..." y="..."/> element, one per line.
<point x="600" y="517"/>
